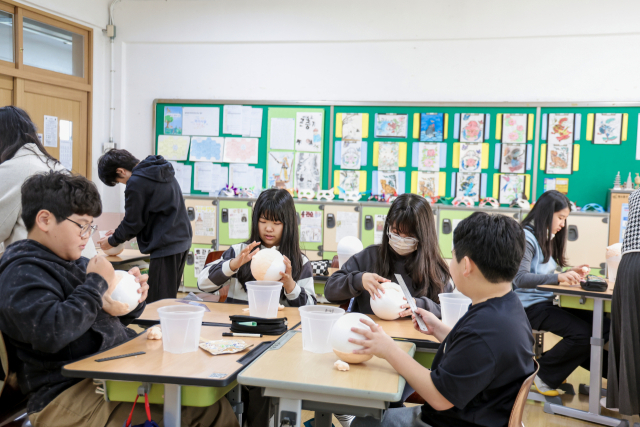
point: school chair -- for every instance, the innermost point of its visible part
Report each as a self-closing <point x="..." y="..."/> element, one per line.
<point x="538" y="345"/>
<point x="214" y="256"/>
<point x="13" y="404"/>
<point x="515" y="420"/>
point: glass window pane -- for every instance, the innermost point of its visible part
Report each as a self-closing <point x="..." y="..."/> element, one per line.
<point x="52" y="48"/>
<point x="6" y="36"/>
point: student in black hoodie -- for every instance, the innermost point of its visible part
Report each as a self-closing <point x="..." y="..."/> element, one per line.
<point x="154" y="212"/>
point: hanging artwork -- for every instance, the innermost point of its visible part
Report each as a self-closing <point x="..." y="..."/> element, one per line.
<point x="468" y="185"/>
<point x="559" y="159"/>
<point x="388" y="183"/>
<point x="607" y="128"/>
<point x="308" y="169"/>
<point x="206" y="149"/>
<point x="173" y="120"/>
<point x="391" y="125"/>
<point x="431" y="127"/>
<point x="349" y="181"/>
<point x="280" y="170"/>
<point x="511" y="188"/>
<point x="470" y="157"/>
<point x="387" y="156"/>
<point x="352" y="126"/>
<point x="350" y="152"/>
<point x="308" y="131"/>
<point x="560" y="128"/>
<point x="472" y="128"/>
<point x="428" y="184"/>
<point x="428" y="156"/>
<point x="514" y="158"/>
<point x="240" y="150"/>
<point x="514" y="128"/>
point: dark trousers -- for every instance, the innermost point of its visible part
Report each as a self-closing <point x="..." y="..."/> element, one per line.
<point x="575" y="328"/>
<point x="165" y="274"/>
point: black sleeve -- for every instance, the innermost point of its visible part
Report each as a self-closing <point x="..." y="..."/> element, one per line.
<point x="525" y="279"/>
<point x="135" y="214"/>
<point x="130" y="317"/>
<point x="307" y="294"/>
<point x="216" y="275"/>
<point x="346" y="283"/>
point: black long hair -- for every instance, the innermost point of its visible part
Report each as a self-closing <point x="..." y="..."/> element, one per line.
<point x="540" y="220"/>
<point x="276" y="204"/>
<point x="16" y="130"/>
<point x="411" y="214"/>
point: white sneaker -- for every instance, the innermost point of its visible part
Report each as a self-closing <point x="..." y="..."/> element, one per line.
<point x="345" y="420"/>
<point x="544" y="389"/>
<point x="603" y="403"/>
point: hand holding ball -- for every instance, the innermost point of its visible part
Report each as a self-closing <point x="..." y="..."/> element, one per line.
<point x="115" y="251"/>
<point x="389" y="306"/>
<point x="267" y="265"/>
<point x="127" y="290"/>
<point x="340" y="335"/>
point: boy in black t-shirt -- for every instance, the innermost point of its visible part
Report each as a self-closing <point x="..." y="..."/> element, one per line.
<point x="484" y="360"/>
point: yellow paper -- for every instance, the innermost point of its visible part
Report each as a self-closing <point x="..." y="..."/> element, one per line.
<point x="414" y="182"/>
<point x="562" y="185"/>
<point x="576" y="157"/>
<point x="416" y="126"/>
<point x="336" y="182"/>
<point x="589" y="127"/>
<point x="376" y="148"/>
<point x="530" y="127"/>
<point x="442" y="184"/>
<point x="484" y="161"/>
<point x="456" y="155"/>
<point x="173" y="147"/>
<point x="365" y="125"/>
<point x="446" y="127"/>
<point x="363" y="181"/>
<point x="339" y="125"/>
<point x="402" y="154"/>
<point x="496" y="185"/>
<point x="625" y="126"/>
<point x="543" y="157"/>
<point x="498" y="127"/>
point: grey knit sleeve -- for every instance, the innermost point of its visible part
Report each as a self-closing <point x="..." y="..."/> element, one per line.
<point x="525" y="279"/>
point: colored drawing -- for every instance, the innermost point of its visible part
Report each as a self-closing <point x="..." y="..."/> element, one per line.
<point x="431" y="127"/>
<point x="173" y="147"/>
<point x="607" y="128"/>
<point x="428" y="184"/>
<point x="391" y="125"/>
<point x="511" y="188"/>
<point x="240" y="150"/>
<point x="514" y="157"/>
<point x="429" y="157"/>
<point x="560" y="128"/>
<point x="201" y="121"/>
<point x="559" y="159"/>
<point x="472" y="128"/>
<point x="309" y="132"/>
<point x="352" y="126"/>
<point x="349" y="181"/>
<point x="388" y="183"/>
<point x="468" y="185"/>
<point x="470" y="157"/>
<point x="514" y="128"/>
<point x="206" y="149"/>
<point x="280" y="169"/>
<point x="308" y="169"/>
<point x="387" y="156"/>
<point x="351" y="152"/>
<point x="173" y="120"/>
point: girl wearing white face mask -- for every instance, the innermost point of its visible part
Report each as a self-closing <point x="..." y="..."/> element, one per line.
<point x="409" y="247"/>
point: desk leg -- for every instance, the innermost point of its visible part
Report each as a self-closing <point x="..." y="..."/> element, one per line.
<point x="323" y="419"/>
<point x="172" y="405"/>
<point x="288" y="408"/>
<point x="235" y="399"/>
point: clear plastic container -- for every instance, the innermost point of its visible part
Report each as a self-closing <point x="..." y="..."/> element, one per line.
<point x="453" y="307"/>
<point x="181" y="326"/>
<point x="612" y="267"/>
<point x="264" y="298"/>
<point x="317" y="322"/>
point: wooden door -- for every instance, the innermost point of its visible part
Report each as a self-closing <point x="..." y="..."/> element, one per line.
<point x="6" y="90"/>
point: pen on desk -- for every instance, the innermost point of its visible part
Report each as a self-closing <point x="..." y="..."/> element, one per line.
<point x="236" y="334"/>
<point x="248" y="323"/>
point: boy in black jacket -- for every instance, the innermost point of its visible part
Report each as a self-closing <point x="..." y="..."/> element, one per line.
<point x="154" y="212"/>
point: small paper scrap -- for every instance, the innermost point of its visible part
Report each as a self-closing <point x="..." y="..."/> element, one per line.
<point x="224" y="346"/>
<point x="341" y="366"/>
<point x="154" y="333"/>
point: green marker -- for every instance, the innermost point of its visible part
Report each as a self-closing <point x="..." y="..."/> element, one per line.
<point x="248" y="323"/>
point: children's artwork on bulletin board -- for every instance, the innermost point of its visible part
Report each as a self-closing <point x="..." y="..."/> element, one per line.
<point x="173" y="120"/>
<point x="352" y="126"/>
<point x="608" y="128"/>
<point x="391" y="125"/>
<point x="514" y="158"/>
<point x="429" y="157"/>
<point x="559" y="184"/>
<point x="514" y="128"/>
<point x="560" y="128"/>
<point x="388" y="156"/>
<point x="468" y="185"/>
<point x="349" y="180"/>
<point x="201" y="121"/>
<point x="173" y="147"/>
<point x="310" y="226"/>
<point x="282" y="133"/>
<point x="206" y="149"/>
<point x="351" y="152"/>
<point x="308" y="171"/>
<point x="309" y="132"/>
<point x="559" y="159"/>
<point x="428" y="184"/>
<point x="470" y="157"/>
<point x="472" y="128"/>
<point x="379" y="221"/>
<point x="280" y="169"/>
<point x="240" y="150"/>
<point x="388" y="182"/>
<point x="431" y="127"/>
<point x="511" y="188"/>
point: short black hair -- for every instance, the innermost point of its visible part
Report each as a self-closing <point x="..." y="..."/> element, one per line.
<point x="495" y="243"/>
<point x="110" y="161"/>
<point x="61" y="193"/>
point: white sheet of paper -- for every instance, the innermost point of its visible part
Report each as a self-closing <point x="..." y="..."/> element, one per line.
<point x="206" y="220"/>
<point x="256" y="123"/>
<point x="51" y="131"/>
<point x="220" y="179"/>
<point x="179" y="169"/>
<point x="346" y="225"/>
<point x="201" y="121"/>
<point x="241" y="175"/>
<point x="66" y="154"/>
<point x="282" y="134"/>
<point x="238" y="223"/>
<point x="246" y="121"/>
<point x="232" y="120"/>
<point x="66" y="130"/>
<point x="378" y="228"/>
<point x="203" y="176"/>
<point x="200" y="258"/>
<point x="258" y="175"/>
<point x="310" y="226"/>
<point x="186" y="179"/>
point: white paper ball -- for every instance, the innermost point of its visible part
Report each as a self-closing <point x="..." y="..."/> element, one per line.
<point x="349" y="245"/>
<point x="268" y="264"/>
<point x="389" y="306"/>
<point x="341" y="332"/>
<point x="115" y="251"/>
<point x="127" y="290"/>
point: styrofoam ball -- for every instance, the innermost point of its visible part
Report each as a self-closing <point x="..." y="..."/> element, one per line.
<point x="115" y="251"/>
<point x="127" y="290"/>
<point x="350" y="245"/>
<point x="341" y="333"/>
<point x="268" y="264"/>
<point x="390" y="305"/>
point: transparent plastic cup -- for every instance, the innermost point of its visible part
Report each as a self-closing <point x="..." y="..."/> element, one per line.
<point x="317" y="322"/>
<point x="264" y="298"/>
<point x="181" y="326"/>
<point x="453" y="307"/>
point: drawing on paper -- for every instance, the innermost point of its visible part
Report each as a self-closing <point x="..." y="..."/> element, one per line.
<point x="350" y="152"/>
<point x="428" y="157"/>
<point x="203" y="121"/>
<point x="514" y="128"/>
<point x="173" y="120"/>
<point x="428" y="184"/>
<point x="559" y="159"/>
<point x="608" y="128"/>
<point x="352" y="126"/>
<point x="387" y="156"/>
<point x="514" y="158"/>
<point x="472" y="128"/>
<point x="206" y="149"/>
<point x="470" y="157"/>
<point x="240" y="150"/>
<point x="280" y="169"/>
<point x="388" y="183"/>
<point x="308" y="171"/>
<point x="511" y="188"/>
<point x="560" y="128"/>
<point x="468" y="185"/>
<point x="308" y="131"/>
<point x="391" y="125"/>
<point x="310" y="226"/>
<point x="349" y="181"/>
<point x="431" y="127"/>
<point x="173" y="147"/>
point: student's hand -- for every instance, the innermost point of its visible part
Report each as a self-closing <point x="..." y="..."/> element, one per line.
<point x="99" y="265"/>
<point x="407" y="309"/>
<point x="109" y="233"/>
<point x="142" y="279"/>
<point x="377" y="342"/>
<point x="287" y="281"/>
<point x="114" y="308"/>
<point x="244" y="256"/>
<point x="432" y="323"/>
<point x="104" y="243"/>
<point x="570" y="277"/>
<point x="582" y="270"/>
<point x="372" y="283"/>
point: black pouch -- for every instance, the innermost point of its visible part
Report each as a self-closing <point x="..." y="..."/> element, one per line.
<point x="594" y="284"/>
<point x="263" y="326"/>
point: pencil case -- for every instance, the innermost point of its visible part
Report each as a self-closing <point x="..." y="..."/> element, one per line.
<point x="594" y="284"/>
<point x="258" y="325"/>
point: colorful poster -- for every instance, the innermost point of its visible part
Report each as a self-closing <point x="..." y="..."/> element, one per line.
<point x="559" y="159"/>
<point x="173" y="120"/>
<point x="428" y="156"/>
<point x="173" y="147"/>
<point x="514" y="158"/>
<point x="203" y="121"/>
<point x="240" y="150"/>
<point x="378" y="221"/>
<point x="468" y="185"/>
<point x="511" y="188"/>
<point x="311" y="226"/>
<point x="428" y="184"/>
<point x="206" y="220"/>
<point x="560" y="128"/>
<point x="309" y="132"/>
<point x="607" y="128"/>
<point x="472" y="127"/>
<point x="387" y="156"/>
<point x="349" y="181"/>
<point x="514" y="128"/>
<point x="470" y="157"/>
<point x="239" y="223"/>
<point x="350" y="152"/>
<point x="352" y="126"/>
<point x="200" y="258"/>
<point x="431" y="127"/>
<point x="206" y="149"/>
<point x="280" y="170"/>
<point x="308" y="171"/>
<point x="391" y="125"/>
<point x="388" y="183"/>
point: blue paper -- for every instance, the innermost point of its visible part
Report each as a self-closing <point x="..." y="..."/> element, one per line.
<point x="431" y="127"/>
<point x="487" y="126"/>
<point x="498" y="156"/>
<point x="456" y="126"/>
<point x="545" y="122"/>
<point x="206" y="149"/>
<point x="173" y="120"/>
<point x="529" y="157"/>
<point x="577" y="127"/>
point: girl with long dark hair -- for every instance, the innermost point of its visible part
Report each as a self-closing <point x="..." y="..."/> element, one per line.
<point x="546" y="237"/>
<point x="274" y="225"/>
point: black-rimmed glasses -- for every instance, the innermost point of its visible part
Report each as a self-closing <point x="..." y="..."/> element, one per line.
<point x="86" y="229"/>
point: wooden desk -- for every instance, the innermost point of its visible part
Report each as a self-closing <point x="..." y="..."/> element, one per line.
<point x="127" y="256"/>
<point x="294" y="375"/>
<point x="403" y="329"/>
